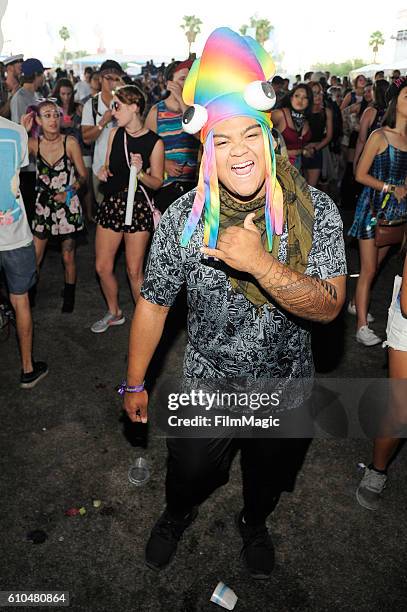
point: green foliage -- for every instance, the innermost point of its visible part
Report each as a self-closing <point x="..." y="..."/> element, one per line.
<point x="64" y="33"/>
<point x="68" y="55"/>
<point x="192" y="27"/>
<point x="375" y="41"/>
<point x="341" y="69"/>
<point x="263" y="28"/>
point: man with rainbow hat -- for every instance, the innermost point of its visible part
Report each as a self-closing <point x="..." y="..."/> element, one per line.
<point x="266" y="259"/>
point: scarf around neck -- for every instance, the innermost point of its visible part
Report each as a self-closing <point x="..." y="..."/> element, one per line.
<point x="298" y="219"/>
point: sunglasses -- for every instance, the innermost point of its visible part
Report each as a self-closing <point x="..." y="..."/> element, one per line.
<point x="116" y="106"/>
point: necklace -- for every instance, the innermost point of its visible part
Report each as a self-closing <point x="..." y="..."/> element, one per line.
<point x="51" y="139"/>
<point x="136" y="132"/>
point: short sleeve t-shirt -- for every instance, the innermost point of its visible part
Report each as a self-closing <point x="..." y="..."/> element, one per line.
<point x="82" y="89"/>
<point x="14" y="228"/>
<point x="99" y="155"/>
<point x="22" y="99"/>
<point x="227" y="335"/>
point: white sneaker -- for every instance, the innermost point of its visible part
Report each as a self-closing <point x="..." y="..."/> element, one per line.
<point x="108" y="320"/>
<point x="366" y="336"/>
<point x="352" y="311"/>
<point x="370" y="489"/>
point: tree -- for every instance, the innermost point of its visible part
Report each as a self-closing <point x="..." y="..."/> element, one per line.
<point x="191" y="27"/>
<point x="341" y="69"/>
<point x="262" y="26"/>
<point x="65" y="35"/>
<point x="376" y="41"/>
<point x="65" y="57"/>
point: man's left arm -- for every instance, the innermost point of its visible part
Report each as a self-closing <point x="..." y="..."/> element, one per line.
<point x="305" y="296"/>
<point x="318" y="295"/>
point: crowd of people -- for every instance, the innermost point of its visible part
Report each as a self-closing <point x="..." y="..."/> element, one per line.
<point x="67" y="146"/>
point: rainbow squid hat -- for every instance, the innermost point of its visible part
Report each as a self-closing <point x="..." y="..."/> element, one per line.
<point x="231" y="79"/>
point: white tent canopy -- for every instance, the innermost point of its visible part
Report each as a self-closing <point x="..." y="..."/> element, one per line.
<point x="133" y="61"/>
<point x="370" y="69"/>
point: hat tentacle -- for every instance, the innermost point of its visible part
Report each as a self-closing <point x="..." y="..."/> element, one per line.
<point x="274" y="194"/>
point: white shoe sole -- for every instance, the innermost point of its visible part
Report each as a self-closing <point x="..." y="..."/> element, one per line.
<point x="31" y="385"/>
<point x="375" y="343"/>
<point x="112" y="324"/>
<point x="362" y="502"/>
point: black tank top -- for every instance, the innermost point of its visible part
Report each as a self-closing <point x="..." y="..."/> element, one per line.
<point x="317" y="124"/>
<point x="143" y="145"/>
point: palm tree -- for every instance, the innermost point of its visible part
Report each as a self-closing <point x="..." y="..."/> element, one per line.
<point x="65" y="35"/>
<point x="191" y="27"/>
<point x="262" y="26"/>
<point x="376" y="40"/>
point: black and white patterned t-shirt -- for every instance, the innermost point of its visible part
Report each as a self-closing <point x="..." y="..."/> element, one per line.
<point x="227" y="335"/>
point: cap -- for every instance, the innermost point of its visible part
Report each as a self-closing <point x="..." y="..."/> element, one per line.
<point x="111" y="66"/>
<point x="31" y="66"/>
<point x="13" y="59"/>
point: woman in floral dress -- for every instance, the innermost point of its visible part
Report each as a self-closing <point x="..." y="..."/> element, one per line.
<point x="60" y="174"/>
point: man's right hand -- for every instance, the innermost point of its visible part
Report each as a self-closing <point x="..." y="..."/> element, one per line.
<point x="135" y="404"/>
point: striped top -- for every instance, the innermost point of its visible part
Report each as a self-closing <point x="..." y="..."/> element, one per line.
<point x="179" y="146"/>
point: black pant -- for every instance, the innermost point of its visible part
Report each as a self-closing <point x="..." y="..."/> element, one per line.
<point x="27" y="188"/>
<point x="167" y="195"/>
<point x="196" y="467"/>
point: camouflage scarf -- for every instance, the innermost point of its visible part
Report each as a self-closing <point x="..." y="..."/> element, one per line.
<point x="298" y="216"/>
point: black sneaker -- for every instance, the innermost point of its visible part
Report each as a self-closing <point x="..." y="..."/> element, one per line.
<point x="258" y="549"/>
<point x="30" y="379"/>
<point x="165" y="535"/>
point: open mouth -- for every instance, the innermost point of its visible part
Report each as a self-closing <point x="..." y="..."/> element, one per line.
<point x="243" y="169"/>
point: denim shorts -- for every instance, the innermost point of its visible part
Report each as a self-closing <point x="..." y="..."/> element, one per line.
<point x="20" y="268"/>
<point x="396" y="322"/>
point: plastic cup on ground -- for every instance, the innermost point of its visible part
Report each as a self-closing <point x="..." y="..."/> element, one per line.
<point x="139" y="472"/>
<point x="224" y="596"/>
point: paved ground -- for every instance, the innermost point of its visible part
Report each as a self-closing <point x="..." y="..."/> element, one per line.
<point x="66" y="443"/>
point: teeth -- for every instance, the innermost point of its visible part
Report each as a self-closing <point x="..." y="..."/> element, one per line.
<point x="243" y="165"/>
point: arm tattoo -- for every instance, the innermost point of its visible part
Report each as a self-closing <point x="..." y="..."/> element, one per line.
<point x="304" y="296"/>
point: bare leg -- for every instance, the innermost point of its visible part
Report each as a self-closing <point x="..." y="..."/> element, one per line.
<point x="21" y="305"/>
<point x="382" y="252"/>
<point x="384" y="448"/>
<point x="68" y="258"/>
<point x="40" y="245"/>
<point x="368" y="269"/>
<point x="312" y="176"/>
<point x="136" y="245"/>
<point x="107" y="244"/>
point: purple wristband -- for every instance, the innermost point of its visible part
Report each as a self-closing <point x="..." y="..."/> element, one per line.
<point x="125" y="388"/>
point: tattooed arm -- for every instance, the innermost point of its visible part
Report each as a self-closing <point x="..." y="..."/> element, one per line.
<point x="304" y="296"/>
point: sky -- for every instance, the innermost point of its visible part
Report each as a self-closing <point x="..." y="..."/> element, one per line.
<point x="306" y="32"/>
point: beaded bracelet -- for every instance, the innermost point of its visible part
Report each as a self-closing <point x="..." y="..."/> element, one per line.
<point x="125" y="388"/>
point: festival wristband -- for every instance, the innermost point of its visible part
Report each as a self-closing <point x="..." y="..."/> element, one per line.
<point x="125" y="388"/>
<point x="141" y="175"/>
<point x="385" y="188"/>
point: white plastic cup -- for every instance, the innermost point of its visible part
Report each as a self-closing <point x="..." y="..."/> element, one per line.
<point x="224" y="596"/>
<point x="139" y="472"/>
